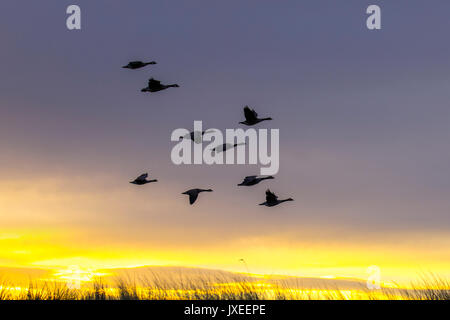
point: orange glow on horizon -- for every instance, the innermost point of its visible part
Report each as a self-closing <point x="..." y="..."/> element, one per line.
<point x="44" y="242"/>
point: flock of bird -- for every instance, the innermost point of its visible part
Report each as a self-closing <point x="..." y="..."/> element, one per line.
<point x="251" y="118"/>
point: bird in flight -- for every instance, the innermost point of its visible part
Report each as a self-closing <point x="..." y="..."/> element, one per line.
<point x="137" y="64"/>
<point x="142" y="179"/>
<point x="155" y="85"/>
<point x="272" y="199"/>
<point x="252" y="180"/>
<point x="251" y="117"/>
<point x="196" y="136"/>
<point x="226" y="146"/>
<point x="193" y="194"/>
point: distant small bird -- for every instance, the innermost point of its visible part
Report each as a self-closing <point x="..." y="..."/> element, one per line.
<point x="226" y="146"/>
<point x="252" y="180"/>
<point x="142" y="179"/>
<point x="272" y="199"/>
<point x="193" y="194"/>
<point x="245" y="264"/>
<point x="251" y="117"/>
<point x="155" y="85"/>
<point x="195" y="136"/>
<point x="137" y="64"/>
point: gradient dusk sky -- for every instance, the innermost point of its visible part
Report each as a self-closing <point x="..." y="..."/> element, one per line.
<point x="364" y="135"/>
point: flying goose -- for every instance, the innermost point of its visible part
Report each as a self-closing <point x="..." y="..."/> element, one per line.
<point x="252" y="180"/>
<point x="193" y="194"/>
<point x="251" y="117"/>
<point x="155" y="85"/>
<point x="226" y="146"/>
<point x="196" y="136"/>
<point x="272" y="199"/>
<point x="142" y="179"/>
<point x="137" y="64"/>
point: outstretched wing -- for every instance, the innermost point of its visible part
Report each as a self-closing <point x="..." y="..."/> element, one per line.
<point x="249" y="113"/>
<point x="153" y="82"/>
<point x="270" y="196"/>
<point x="220" y="148"/>
<point x="192" y="197"/>
<point x="142" y="176"/>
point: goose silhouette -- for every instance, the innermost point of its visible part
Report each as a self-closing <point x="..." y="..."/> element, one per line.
<point x="137" y="64"/>
<point x="142" y="179"/>
<point x="272" y="199"/>
<point x="226" y="146"/>
<point x="252" y="180"/>
<point x="193" y="194"/>
<point x="155" y="85"/>
<point x="251" y="117"/>
<point x="196" y="136"/>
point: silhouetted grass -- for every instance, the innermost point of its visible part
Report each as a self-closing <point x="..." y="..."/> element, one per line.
<point x="429" y="286"/>
<point x="239" y="287"/>
<point x="5" y="294"/>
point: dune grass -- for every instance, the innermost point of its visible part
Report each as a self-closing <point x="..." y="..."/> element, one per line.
<point x="157" y="287"/>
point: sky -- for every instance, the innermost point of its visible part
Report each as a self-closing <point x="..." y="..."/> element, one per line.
<point x="363" y="119"/>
